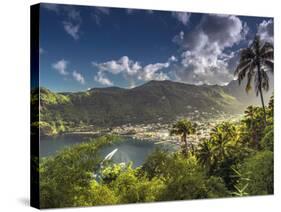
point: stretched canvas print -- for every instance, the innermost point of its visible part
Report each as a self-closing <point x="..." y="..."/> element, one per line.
<point x="134" y="106"/>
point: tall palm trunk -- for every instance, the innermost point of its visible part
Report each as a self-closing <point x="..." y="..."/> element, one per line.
<point x="262" y="102"/>
<point x="185" y="144"/>
<point x="261" y="94"/>
<point x="192" y="147"/>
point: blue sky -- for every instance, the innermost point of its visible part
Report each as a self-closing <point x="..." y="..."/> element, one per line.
<point x="83" y="47"/>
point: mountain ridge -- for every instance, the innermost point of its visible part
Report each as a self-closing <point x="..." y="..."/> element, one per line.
<point x="151" y="102"/>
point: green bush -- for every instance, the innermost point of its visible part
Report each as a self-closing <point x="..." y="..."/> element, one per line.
<point x="97" y="194"/>
<point x="258" y="170"/>
<point x="67" y="176"/>
<point x="131" y="188"/>
<point x="184" y="177"/>
<point x="267" y="140"/>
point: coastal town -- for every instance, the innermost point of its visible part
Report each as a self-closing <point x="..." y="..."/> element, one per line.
<point x="160" y="132"/>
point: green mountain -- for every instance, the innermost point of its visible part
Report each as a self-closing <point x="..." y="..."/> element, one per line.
<point x="155" y="101"/>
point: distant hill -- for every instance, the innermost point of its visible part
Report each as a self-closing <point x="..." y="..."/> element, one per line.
<point x="238" y="91"/>
<point x="150" y="102"/>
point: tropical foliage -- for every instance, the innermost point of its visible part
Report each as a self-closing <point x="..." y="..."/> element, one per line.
<point x="237" y="160"/>
<point x="183" y="128"/>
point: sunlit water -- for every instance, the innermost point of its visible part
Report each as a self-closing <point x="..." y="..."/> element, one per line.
<point x="129" y="150"/>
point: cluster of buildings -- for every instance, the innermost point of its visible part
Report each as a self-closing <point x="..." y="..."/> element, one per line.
<point x="160" y="132"/>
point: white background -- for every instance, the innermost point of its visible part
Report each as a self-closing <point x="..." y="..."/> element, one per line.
<point x="14" y="102"/>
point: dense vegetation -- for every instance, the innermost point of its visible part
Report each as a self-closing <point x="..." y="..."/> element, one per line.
<point x="155" y="101"/>
<point x="237" y="160"/>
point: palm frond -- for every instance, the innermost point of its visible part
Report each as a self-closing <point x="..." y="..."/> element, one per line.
<point x="269" y="64"/>
<point x="267" y="55"/>
<point x="249" y="82"/>
<point x="241" y="66"/>
<point x="246" y="54"/>
<point x="267" y="47"/>
<point x="241" y="73"/>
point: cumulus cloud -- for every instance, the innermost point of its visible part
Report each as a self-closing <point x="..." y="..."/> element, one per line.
<point x="78" y="77"/>
<point x="132" y="70"/>
<point x="182" y="17"/>
<point x="61" y="67"/>
<point x="223" y="30"/>
<point x="102" y="79"/>
<point x="150" y="72"/>
<point x="207" y="69"/>
<point x="265" y="30"/>
<point x="123" y="65"/>
<point x="204" y="59"/>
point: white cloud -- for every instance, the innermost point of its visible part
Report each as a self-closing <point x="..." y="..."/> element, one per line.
<point x="71" y="18"/>
<point x="204" y="59"/>
<point x="172" y="59"/>
<point x="178" y="39"/>
<point x="150" y="72"/>
<point x="73" y="22"/>
<point x="207" y="69"/>
<point x="78" y="77"/>
<point x="265" y="31"/>
<point x="72" y="29"/>
<point x="61" y="66"/>
<point x="182" y="17"/>
<point x="132" y="70"/>
<point x="102" y="79"/>
<point x="123" y="65"/>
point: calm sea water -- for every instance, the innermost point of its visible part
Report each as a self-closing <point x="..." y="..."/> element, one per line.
<point x="128" y="150"/>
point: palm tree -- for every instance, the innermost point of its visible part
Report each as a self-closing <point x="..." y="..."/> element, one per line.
<point x="249" y="121"/>
<point x="183" y="128"/>
<point x="221" y="144"/>
<point x="223" y="138"/>
<point x="255" y="61"/>
<point x="205" y="155"/>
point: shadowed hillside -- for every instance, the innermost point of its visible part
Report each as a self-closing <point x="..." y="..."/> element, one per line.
<point x="154" y="101"/>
